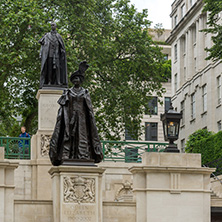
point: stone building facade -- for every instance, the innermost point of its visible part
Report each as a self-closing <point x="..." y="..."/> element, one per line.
<point x="153" y="129"/>
<point x="196" y="82"/>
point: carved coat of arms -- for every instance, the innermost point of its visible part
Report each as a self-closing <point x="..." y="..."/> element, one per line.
<point x="78" y="190"/>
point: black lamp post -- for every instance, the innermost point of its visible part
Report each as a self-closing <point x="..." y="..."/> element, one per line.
<point x="171" y="126"/>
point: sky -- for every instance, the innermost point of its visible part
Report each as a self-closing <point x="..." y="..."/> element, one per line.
<point x="158" y="10"/>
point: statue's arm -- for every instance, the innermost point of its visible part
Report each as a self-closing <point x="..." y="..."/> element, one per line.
<point x="64" y="98"/>
<point x="89" y="102"/>
<point x="62" y="46"/>
<point x="42" y="42"/>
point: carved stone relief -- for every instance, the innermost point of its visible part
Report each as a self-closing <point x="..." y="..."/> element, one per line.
<point x="45" y="144"/>
<point x="125" y="193"/>
<point x="78" y="190"/>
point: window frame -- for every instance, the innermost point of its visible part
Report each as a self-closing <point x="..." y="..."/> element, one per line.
<point x="146" y="133"/>
<point x="204" y="98"/>
<point x="219" y="90"/>
<point x="193" y="106"/>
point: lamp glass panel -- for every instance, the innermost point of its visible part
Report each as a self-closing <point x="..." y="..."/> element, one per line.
<point x="172" y="129"/>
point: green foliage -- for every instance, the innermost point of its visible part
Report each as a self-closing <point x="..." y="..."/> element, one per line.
<point x="22" y="24"/>
<point x="125" y="64"/>
<point x="166" y="73"/>
<point x="196" y="137"/>
<point x="214" y="7"/>
<point x="158" y="28"/>
<point x="206" y="143"/>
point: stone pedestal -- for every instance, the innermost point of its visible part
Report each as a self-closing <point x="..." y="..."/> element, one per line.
<point x="47" y="114"/>
<point x="171" y="187"/>
<point x="47" y="108"/>
<point x="7" y="187"/>
<point x="77" y="193"/>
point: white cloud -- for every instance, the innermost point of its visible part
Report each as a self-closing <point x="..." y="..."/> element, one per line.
<point x="158" y="10"/>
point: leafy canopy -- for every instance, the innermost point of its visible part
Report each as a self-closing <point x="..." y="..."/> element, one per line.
<point x="209" y="145"/>
<point x="125" y="64"/>
<point x="214" y="7"/>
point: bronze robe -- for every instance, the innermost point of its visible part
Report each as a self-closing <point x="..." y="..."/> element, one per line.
<point x="75" y="135"/>
<point x="44" y="54"/>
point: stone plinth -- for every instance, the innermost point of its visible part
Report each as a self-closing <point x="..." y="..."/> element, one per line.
<point x="47" y="114"/>
<point x="171" y="187"/>
<point x="7" y="187"/>
<point x="77" y="193"/>
<point x="47" y="108"/>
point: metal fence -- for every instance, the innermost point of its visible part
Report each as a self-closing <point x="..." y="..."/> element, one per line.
<point x="16" y="147"/>
<point x="125" y="151"/>
<point x="122" y="151"/>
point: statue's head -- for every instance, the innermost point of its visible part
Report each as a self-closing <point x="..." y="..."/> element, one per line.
<point x="83" y="66"/>
<point x="77" y="78"/>
<point x="53" y="26"/>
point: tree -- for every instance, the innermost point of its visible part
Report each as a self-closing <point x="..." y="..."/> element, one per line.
<point x="194" y="138"/>
<point x="209" y="145"/>
<point x="158" y="28"/>
<point x="125" y="64"/>
<point x="22" y="24"/>
<point x="214" y="7"/>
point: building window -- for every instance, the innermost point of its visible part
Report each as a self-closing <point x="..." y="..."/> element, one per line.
<point x="129" y="136"/>
<point x="175" y="20"/>
<point x="219" y="125"/>
<point x="175" y="52"/>
<point x="183" y="10"/>
<point x="204" y="98"/>
<point x="175" y="82"/>
<point x="152" y="106"/>
<point x="191" y="2"/>
<point x="183" y="146"/>
<point x="151" y="131"/>
<point x="193" y="108"/>
<point x="182" y="108"/>
<point x="167" y="101"/>
<point x="219" y="90"/>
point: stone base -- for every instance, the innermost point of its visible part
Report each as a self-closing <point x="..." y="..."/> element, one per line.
<point x="77" y="193"/>
<point x="47" y="108"/>
<point x="7" y="187"/>
<point x="171" y="187"/>
<point x="79" y="162"/>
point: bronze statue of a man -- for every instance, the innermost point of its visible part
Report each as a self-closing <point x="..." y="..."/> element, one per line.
<point x="53" y="60"/>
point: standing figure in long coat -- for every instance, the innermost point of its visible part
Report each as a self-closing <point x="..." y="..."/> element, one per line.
<point x="75" y="135"/>
<point x="53" y="60"/>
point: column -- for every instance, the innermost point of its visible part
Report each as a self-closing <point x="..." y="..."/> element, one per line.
<point x="190" y="61"/>
<point x="7" y="187"/>
<point x="202" y="52"/>
<point x="47" y="114"/>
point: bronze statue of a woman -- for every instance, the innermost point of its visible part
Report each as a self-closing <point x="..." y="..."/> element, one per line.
<point x="75" y="136"/>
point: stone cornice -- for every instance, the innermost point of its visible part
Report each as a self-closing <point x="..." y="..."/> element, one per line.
<point x="158" y="169"/>
<point x="193" y="10"/>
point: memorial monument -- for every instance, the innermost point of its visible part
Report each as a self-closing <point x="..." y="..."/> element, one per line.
<point x="74" y="148"/>
<point x="75" y="136"/>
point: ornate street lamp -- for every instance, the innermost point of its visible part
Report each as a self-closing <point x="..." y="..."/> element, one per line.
<point x="171" y="124"/>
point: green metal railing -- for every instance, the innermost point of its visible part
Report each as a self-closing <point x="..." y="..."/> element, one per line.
<point x="125" y="151"/>
<point x="16" y="147"/>
<point x="122" y="151"/>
